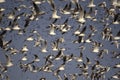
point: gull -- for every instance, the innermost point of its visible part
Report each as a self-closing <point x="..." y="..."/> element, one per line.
<point x="80" y="39"/>
<point x="44" y="47"/>
<point x="2" y="9"/>
<point x="116" y="76"/>
<point x="81" y="17"/>
<point x="89" y="40"/>
<point x="55" y="46"/>
<point x="6" y="44"/>
<point x="48" y="58"/>
<point x="52" y="29"/>
<point x="92" y="28"/>
<point x="37" y="43"/>
<point x="87" y="14"/>
<point x="42" y="78"/>
<point x="106" y="33"/>
<point x="39" y="1"/>
<point x="27" y="21"/>
<point x="24" y="49"/>
<point x="36" y="58"/>
<point x="96" y="46"/>
<point x="85" y="67"/>
<point x="88" y="60"/>
<point x="12" y="50"/>
<point x="60" y="40"/>
<point x="77" y="31"/>
<point x="116" y="18"/>
<point x="93" y="67"/>
<point x="37" y="10"/>
<point x="56" y="73"/>
<point x="82" y="48"/>
<point x="33" y="68"/>
<point x="91" y="4"/>
<point x="95" y="49"/>
<point x="66" y="9"/>
<point x="116" y="43"/>
<point x="79" y="58"/>
<point x="8" y="29"/>
<point x="117" y="37"/>
<point x="117" y="65"/>
<point x="59" y="55"/>
<point x="51" y="2"/>
<point x="97" y="64"/>
<point x="115" y="55"/>
<point x="30" y="38"/>
<point x="101" y="52"/>
<point x="2" y="1"/>
<point x="82" y="32"/>
<point x="116" y="3"/>
<point x="16" y="27"/>
<point x="67" y="58"/>
<point x="61" y="67"/>
<point x="73" y="76"/>
<point x="54" y="14"/>
<point x="77" y="7"/>
<point x="24" y="58"/>
<point x="17" y="17"/>
<point x="38" y="40"/>
<point x="11" y="15"/>
<point x="103" y="4"/>
<point x="65" y="27"/>
<point x="20" y="32"/>
<point x="47" y="67"/>
<point x="9" y="61"/>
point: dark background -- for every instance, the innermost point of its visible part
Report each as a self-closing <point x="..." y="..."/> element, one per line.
<point x="41" y="25"/>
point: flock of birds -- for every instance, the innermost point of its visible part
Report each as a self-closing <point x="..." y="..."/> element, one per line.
<point x="77" y="20"/>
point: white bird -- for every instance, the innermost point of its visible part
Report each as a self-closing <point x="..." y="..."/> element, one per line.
<point x="117" y="65"/>
<point x="30" y="38"/>
<point x="24" y="49"/>
<point x="52" y="29"/>
<point x="9" y="62"/>
<point x="55" y="15"/>
<point x="117" y="37"/>
<point x="16" y="27"/>
<point x="2" y="1"/>
<point x="81" y="17"/>
<point x="44" y="47"/>
<point x="116" y="43"/>
<point x="36" y="59"/>
<point x="116" y="3"/>
<point x="91" y="3"/>
<point x="55" y="46"/>
<point x="66" y="9"/>
<point x="79" y="58"/>
<point x="61" y="67"/>
<point x="24" y="58"/>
